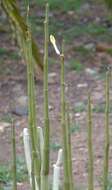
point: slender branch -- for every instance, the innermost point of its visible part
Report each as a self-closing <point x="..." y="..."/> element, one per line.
<point x="45" y="159"/>
<point x="107" y="136"/>
<point x="32" y="111"/>
<point x="64" y="126"/>
<point x="69" y="147"/>
<point x="14" y="157"/>
<point x="90" y="147"/>
<point x="11" y="9"/>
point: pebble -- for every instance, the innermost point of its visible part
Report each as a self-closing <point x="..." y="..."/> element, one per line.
<point x="77" y="115"/>
<point x="97" y="96"/>
<point x="51" y="108"/>
<point x="3" y="126"/>
<point x="21" y="106"/>
<point x="97" y="19"/>
<point x="17" y="89"/>
<point x="84" y="7"/>
<point x="52" y="78"/>
<point x="83" y="85"/>
<point x="90" y="46"/>
<point x="90" y="71"/>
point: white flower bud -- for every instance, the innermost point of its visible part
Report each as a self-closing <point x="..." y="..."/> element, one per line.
<point x="53" y="41"/>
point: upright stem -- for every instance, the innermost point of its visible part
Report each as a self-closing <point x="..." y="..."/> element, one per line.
<point x="107" y="137"/>
<point x="14" y="157"/>
<point x="13" y="12"/>
<point x="32" y="112"/>
<point x="69" y="147"/>
<point x="90" y="148"/>
<point x="64" y="129"/>
<point x="45" y="159"/>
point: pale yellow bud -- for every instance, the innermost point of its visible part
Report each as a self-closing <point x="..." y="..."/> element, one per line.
<point x="53" y="41"/>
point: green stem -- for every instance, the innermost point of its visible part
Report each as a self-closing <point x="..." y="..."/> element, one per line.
<point x="90" y="147"/>
<point x="107" y="137"/>
<point x="64" y="129"/>
<point x="12" y="10"/>
<point x="32" y="112"/>
<point x="69" y="148"/>
<point x="14" y="157"/>
<point x="45" y="159"/>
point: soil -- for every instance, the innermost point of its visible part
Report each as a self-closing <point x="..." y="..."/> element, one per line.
<point x="13" y="84"/>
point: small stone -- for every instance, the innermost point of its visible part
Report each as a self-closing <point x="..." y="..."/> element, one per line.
<point x="97" y="96"/>
<point x="84" y="7"/>
<point x="17" y="89"/>
<point x="97" y="19"/>
<point x="70" y="13"/>
<point x="90" y="71"/>
<point x="1" y="129"/>
<point x="51" y="108"/>
<point x="80" y="108"/>
<point x="52" y="74"/>
<point x="90" y="46"/>
<point x="21" y="106"/>
<point x="77" y="115"/>
<point x="8" y="187"/>
<point x="22" y="100"/>
<point x="3" y="126"/>
<point x="52" y="78"/>
<point x="83" y="85"/>
<point x="19" y="183"/>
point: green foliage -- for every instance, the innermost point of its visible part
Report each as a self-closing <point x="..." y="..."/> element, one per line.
<point x="6" y="118"/>
<point x="80" y="107"/>
<point x="6" y="172"/>
<point x="62" y="5"/>
<point x="95" y="29"/>
<point x="75" y="128"/>
<point x="51" y="61"/>
<point x="9" y="54"/>
<point x="109" y="187"/>
<point x="21" y="170"/>
<point x="3" y="51"/>
<point x="82" y="50"/>
<point x="91" y="29"/>
<point x="55" y="146"/>
<point x="20" y="26"/>
<point x="100" y="108"/>
<point x="75" y="65"/>
<point x="109" y="3"/>
<point x="75" y="30"/>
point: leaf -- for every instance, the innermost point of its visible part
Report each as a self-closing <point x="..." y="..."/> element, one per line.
<point x="13" y="13"/>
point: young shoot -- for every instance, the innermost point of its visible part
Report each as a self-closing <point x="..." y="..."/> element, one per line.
<point x="53" y="41"/>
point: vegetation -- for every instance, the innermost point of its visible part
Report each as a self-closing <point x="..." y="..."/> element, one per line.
<point x="90" y="147"/>
<point x="20" y="28"/>
<point x="67" y="5"/>
<point x="43" y="145"/>
<point x="75" y="65"/>
<point x="6" y="172"/>
<point x="109" y="3"/>
<point x="37" y="140"/>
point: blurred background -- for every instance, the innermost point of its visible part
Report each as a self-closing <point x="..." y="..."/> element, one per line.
<point x="86" y="27"/>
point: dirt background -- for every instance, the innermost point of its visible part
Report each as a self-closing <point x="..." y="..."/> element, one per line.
<point x="91" y="76"/>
